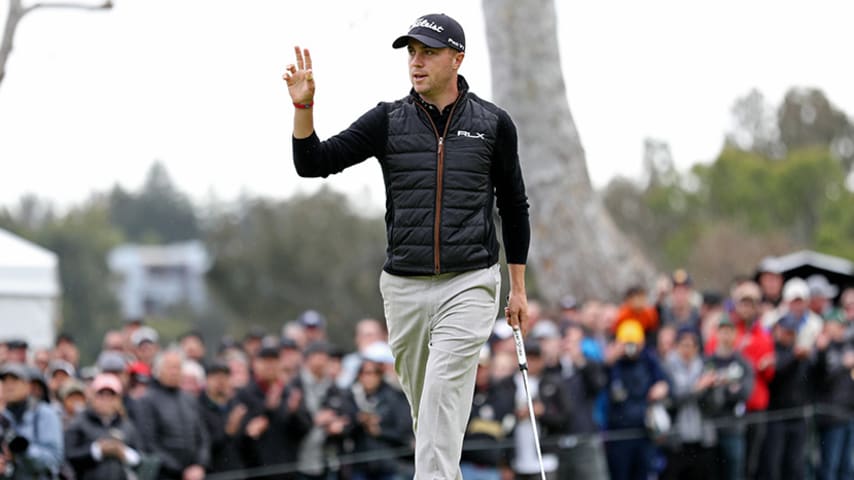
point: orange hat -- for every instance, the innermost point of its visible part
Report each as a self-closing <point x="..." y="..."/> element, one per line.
<point x="630" y="331"/>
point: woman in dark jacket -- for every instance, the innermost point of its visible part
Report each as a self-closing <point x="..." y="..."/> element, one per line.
<point x="102" y="442"/>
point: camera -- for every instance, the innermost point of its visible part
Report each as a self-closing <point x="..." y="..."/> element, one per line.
<point x="10" y="438"/>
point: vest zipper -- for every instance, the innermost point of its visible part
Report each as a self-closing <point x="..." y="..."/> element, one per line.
<point x="440" y="174"/>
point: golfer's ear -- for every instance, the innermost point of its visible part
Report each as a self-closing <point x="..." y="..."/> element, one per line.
<point x="458" y="59"/>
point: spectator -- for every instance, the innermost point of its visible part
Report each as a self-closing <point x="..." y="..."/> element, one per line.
<point x="222" y="417"/>
<point x="834" y="400"/>
<point x="725" y="402"/>
<point x="665" y="343"/>
<point x="796" y="294"/>
<point x="169" y="422"/>
<point x="41" y="359"/>
<point x="144" y="341"/>
<point x="547" y="335"/>
<point x="66" y="349"/>
<point x="114" y="341"/>
<point x="58" y="372"/>
<point x="102" y="442"/>
<point x="491" y="421"/>
<point x="192" y="378"/>
<point x="327" y="404"/>
<point x="139" y="377"/>
<point x="368" y="331"/>
<point x="252" y="341"/>
<point x="569" y="310"/>
<point x="72" y="400"/>
<point x="383" y="422"/>
<point x="635" y="381"/>
<point x="36" y="450"/>
<point x="238" y="363"/>
<point x="680" y="309"/>
<point x="551" y="406"/>
<point x="822" y="294"/>
<point x="770" y="279"/>
<point x="636" y="307"/>
<point x="757" y="347"/>
<point x="276" y="419"/>
<point x="193" y="345"/>
<point x="17" y="351"/>
<point x="689" y="451"/>
<point x="783" y="452"/>
<point x="314" y="324"/>
<point x="583" y="374"/>
<point x="290" y="357"/>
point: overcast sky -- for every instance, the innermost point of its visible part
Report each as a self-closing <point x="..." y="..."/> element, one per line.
<point x="91" y="99"/>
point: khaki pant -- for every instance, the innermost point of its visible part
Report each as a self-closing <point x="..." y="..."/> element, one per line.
<point x="437" y="326"/>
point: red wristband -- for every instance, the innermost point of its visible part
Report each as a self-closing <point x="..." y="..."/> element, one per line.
<point x="304" y="106"/>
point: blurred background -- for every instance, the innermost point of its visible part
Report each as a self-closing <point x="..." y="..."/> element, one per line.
<point x="147" y="146"/>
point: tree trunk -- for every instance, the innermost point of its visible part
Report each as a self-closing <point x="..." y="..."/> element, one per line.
<point x="576" y="248"/>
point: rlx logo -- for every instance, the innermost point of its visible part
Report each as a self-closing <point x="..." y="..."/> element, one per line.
<point x="463" y="133"/>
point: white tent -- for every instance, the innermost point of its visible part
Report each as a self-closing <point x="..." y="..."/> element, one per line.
<point x="29" y="291"/>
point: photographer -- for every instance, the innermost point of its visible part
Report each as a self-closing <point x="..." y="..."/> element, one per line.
<point x="383" y="422"/>
<point x="102" y="442"/>
<point x="32" y="437"/>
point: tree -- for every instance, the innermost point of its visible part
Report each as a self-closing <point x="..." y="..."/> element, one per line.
<point x="576" y="247"/>
<point x="755" y="127"/>
<point x="274" y="260"/>
<point x="17" y="11"/>
<point x="808" y="119"/>
<point x="158" y="213"/>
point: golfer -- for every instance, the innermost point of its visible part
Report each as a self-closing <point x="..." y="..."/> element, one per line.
<point x="447" y="157"/>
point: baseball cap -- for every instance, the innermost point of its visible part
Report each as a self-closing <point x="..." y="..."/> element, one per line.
<point x="630" y="331"/>
<point x="268" y="351"/>
<point x="379" y="352"/>
<point x="218" y="366"/>
<point x="568" y="302"/>
<point x="17" y="344"/>
<point x="317" y="347"/>
<point x="311" y="319"/>
<point x="747" y="290"/>
<point x="435" y="30"/>
<point x="107" y="382"/>
<point x="17" y="370"/>
<point x="796" y="288"/>
<point x="112" y="362"/>
<point x="545" y="329"/>
<point x="820" y="287"/>
<point x="60" y="366"/>
<point x="71" y="386"/>
<point x="789" y="322"/>
<point x="144" y="334"/>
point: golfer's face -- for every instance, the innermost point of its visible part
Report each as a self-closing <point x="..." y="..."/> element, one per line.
<point x="431" y="69"/>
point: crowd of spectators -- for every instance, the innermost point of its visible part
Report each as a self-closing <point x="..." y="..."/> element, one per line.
<point x="670" y="383"/>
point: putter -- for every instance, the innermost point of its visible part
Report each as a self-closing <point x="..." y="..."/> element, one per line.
<point x="523" y="367"/>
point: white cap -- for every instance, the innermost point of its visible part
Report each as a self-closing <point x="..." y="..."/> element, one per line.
<point x="796" y="288"/>
<point x="379" y="352"/>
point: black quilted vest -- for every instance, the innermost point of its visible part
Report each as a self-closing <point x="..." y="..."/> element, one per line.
<point x="439" y="192"/>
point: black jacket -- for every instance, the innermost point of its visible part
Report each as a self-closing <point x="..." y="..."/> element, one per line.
<point x="441" y="179"/>
<point x="280" y="442"/>
<point x="395" y="427"/>
<point x="86" y="429"/>
<point x="834" y="385"/>
<point x="224" y="448"/>
<point x="790" y="387"/>
<point x="493" y="415"/>
<point x="171" y="428"/>
<point x="583" y="386"/>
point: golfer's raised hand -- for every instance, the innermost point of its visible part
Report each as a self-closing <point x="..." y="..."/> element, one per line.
<point x="300" y="78"/>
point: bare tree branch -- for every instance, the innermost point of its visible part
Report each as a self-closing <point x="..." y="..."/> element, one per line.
<point x="17" y="11"/>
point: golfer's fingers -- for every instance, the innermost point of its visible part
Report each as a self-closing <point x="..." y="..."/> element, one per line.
<point x="300" y="61"/>
<point x="307" y="59"/>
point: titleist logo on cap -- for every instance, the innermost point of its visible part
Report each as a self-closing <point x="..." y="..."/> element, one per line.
<point x="423" y="22"/>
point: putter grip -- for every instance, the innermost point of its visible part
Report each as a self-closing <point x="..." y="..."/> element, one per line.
<point x="520" y="349"/>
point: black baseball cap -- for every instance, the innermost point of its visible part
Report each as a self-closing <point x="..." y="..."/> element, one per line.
<point x="436" y="30"/>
